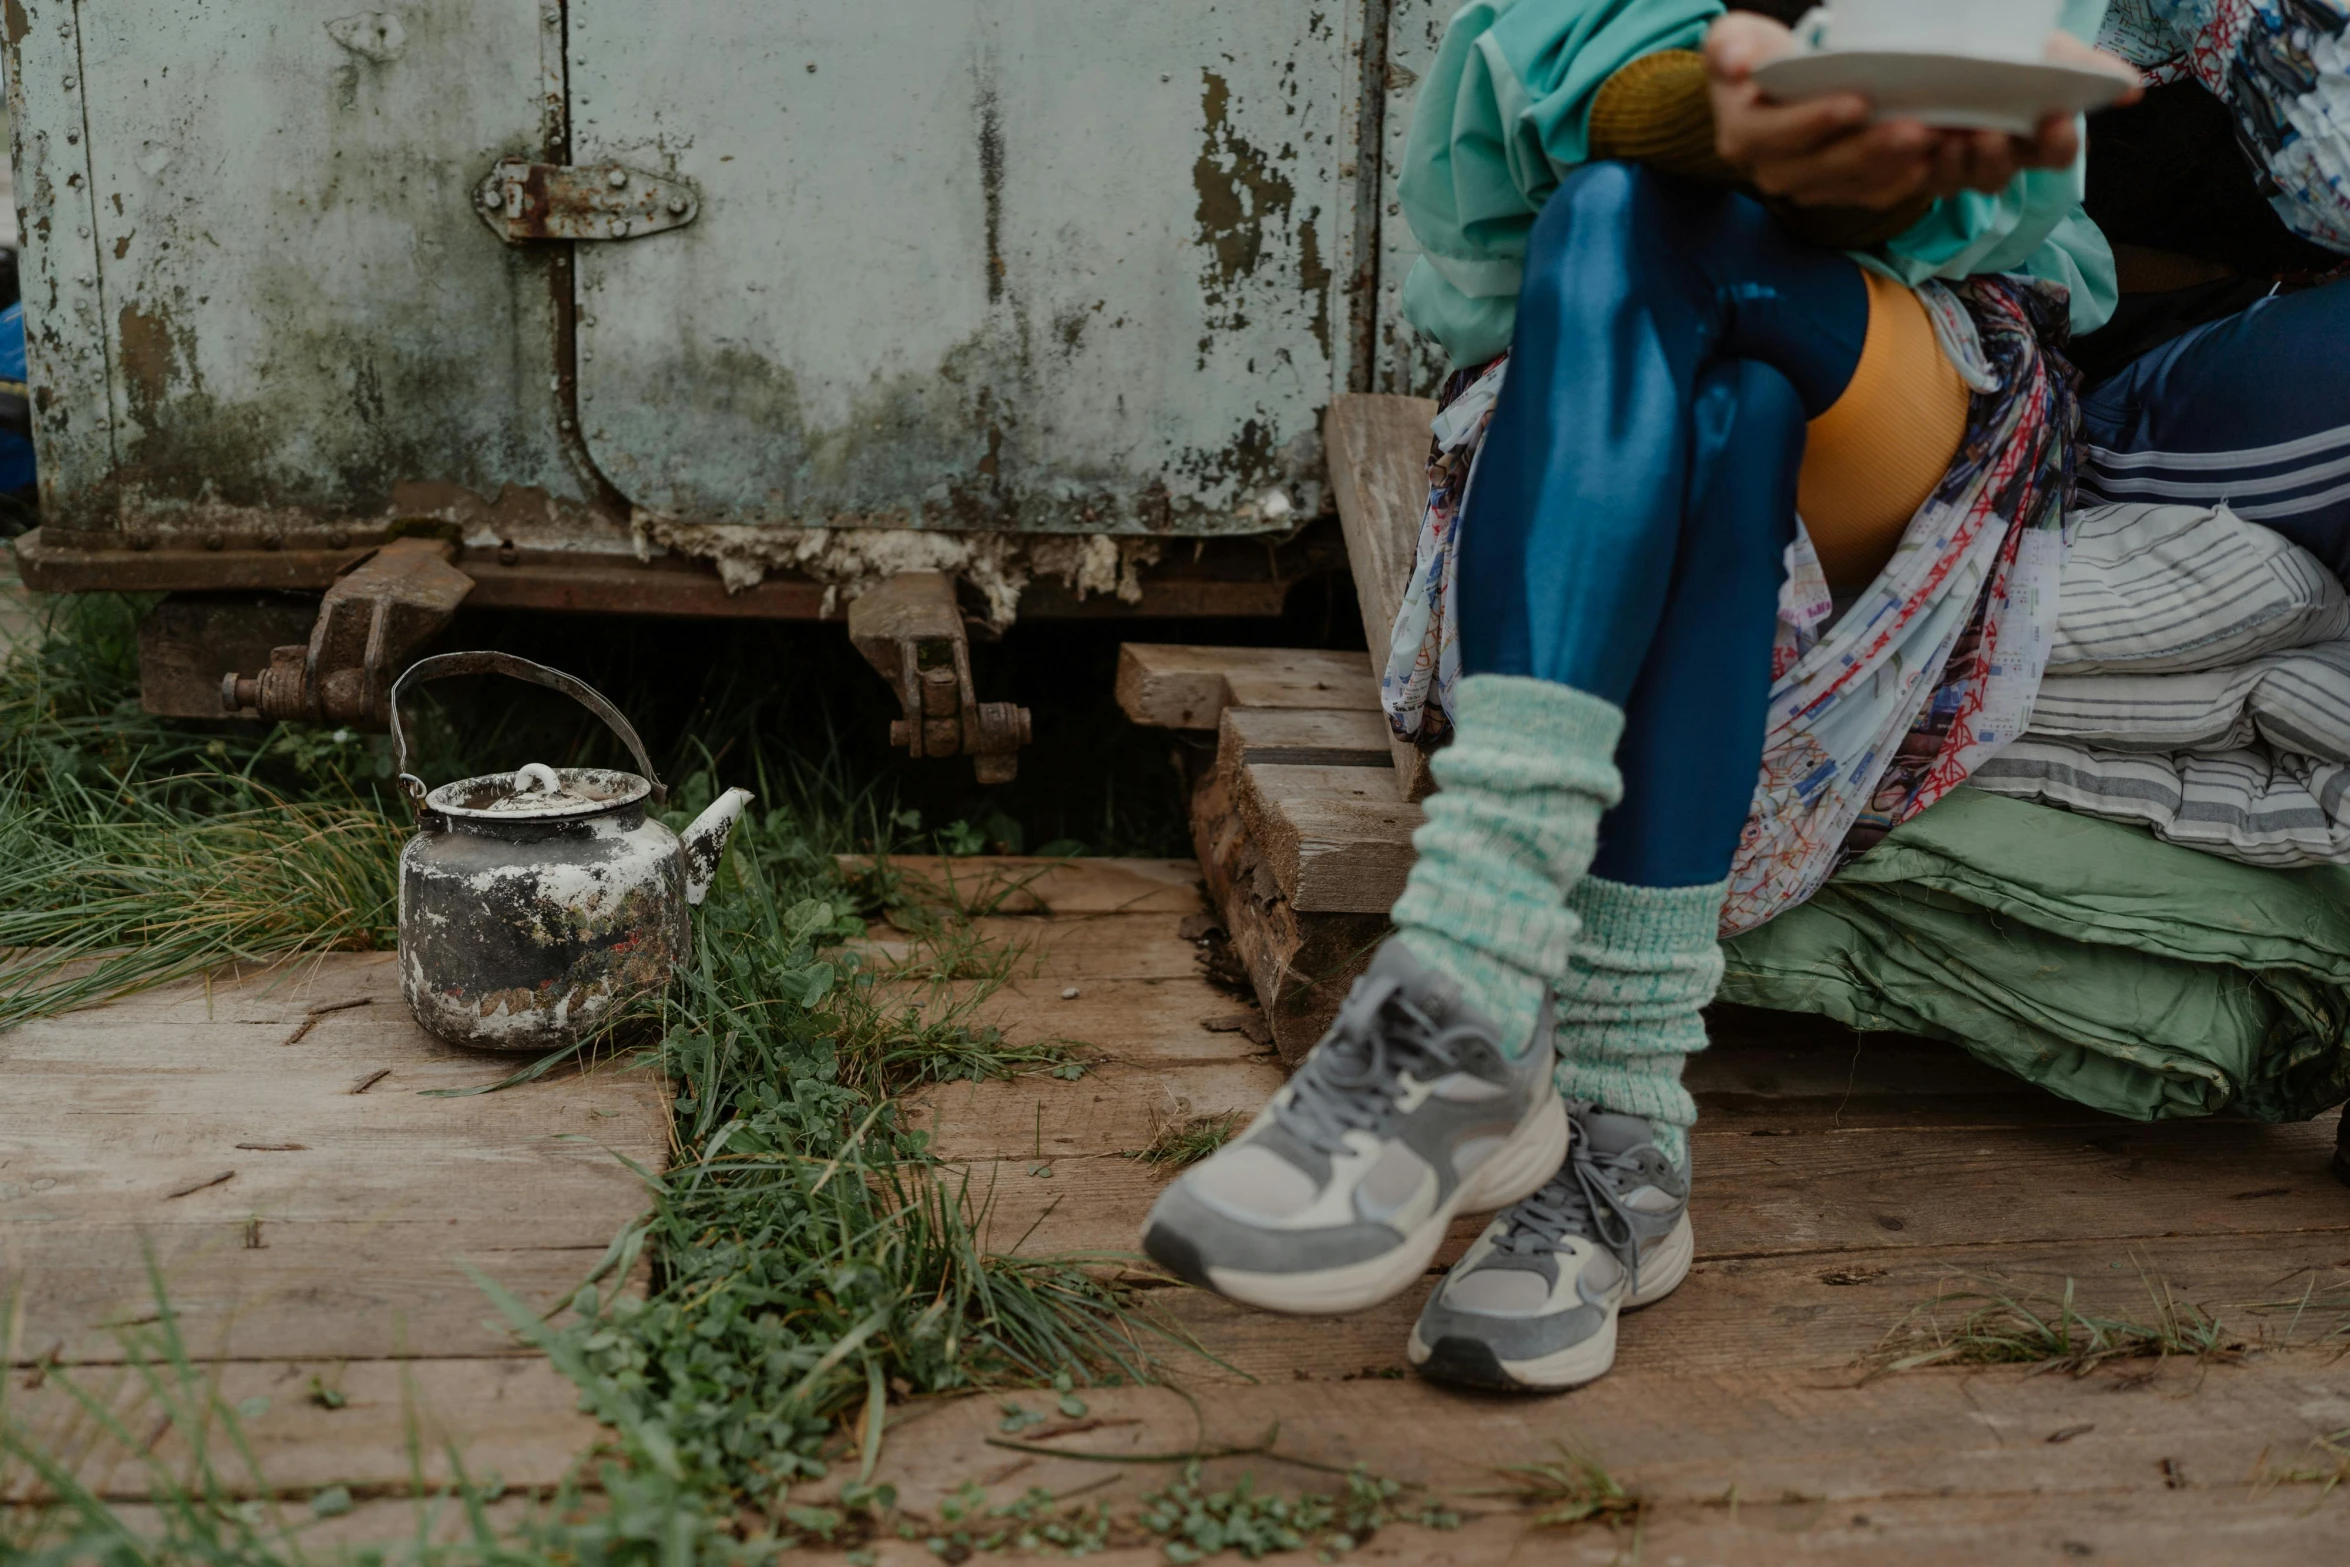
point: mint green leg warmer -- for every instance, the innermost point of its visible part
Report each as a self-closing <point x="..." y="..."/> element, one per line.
<point x="1509" y="833"/>
<point x="1649" y="958"/>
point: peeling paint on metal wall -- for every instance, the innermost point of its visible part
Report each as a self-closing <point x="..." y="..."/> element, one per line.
<point x="1036" y="266"/>
<point x="1405" y="361"/>
<point x="1049" y="266"/>
<point x="304" y="314"/>
<point x="65" y="333"/>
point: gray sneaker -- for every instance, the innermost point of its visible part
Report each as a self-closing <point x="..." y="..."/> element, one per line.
<point x="1408" y="1112"/>
<point x="1532" y="1307"/>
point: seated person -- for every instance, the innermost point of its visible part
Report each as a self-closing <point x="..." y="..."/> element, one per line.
<point x="1711" y="311"/>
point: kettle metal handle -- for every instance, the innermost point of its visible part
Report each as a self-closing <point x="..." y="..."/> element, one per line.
<point x="442" y="665"/>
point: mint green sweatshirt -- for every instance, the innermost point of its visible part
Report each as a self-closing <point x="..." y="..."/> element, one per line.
<point x="1505" y="113"/>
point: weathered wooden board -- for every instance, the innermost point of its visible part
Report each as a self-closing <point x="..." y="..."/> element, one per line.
<point x="1378" y="448"/>
<point x="1302" y="736"/>
<point x="1165" y="686"/>
<point x="517" y="1417"/>
<point x="1337" y="838"/>
<point x="1693" y="1440"/>
<point x="1300" y="965"/>
<point x="340" y="1229"/>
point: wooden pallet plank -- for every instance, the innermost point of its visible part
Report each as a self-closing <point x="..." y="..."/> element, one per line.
<point x="1170" y="686"/>
<point x="1854" y="1193"/>
<point x="339" y="1230"/>
<point x="1303" y="737"/>
<point x="1378" y="448"/>
<point x="1823" y="1311"/>
<point x="1079" y="947"/>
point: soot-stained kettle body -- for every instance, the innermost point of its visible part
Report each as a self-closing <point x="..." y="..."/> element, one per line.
<point x="535" y="905"/>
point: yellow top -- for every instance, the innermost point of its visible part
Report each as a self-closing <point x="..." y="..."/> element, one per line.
<point x="1876" y="455"/>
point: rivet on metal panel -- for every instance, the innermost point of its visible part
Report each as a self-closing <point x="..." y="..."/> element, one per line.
<point x="617" y="179"/>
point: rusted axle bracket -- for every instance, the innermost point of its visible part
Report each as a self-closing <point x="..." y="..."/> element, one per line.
<point x="373" y="621"/>
<point x="911" y="630"/>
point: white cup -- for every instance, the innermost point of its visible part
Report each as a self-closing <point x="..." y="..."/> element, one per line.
<point x="1989" y="29"/>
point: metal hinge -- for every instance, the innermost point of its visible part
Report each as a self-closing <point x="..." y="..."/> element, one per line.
<point x="521" y="200"/>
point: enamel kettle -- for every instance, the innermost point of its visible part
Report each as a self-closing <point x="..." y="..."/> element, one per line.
<point x="535" y="904"/>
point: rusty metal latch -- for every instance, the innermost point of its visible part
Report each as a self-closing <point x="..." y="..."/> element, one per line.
<point x="523" y="201"/>
<point x="911" y="631"/>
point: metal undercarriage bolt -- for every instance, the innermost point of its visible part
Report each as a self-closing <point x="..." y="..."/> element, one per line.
<point x="911" y="630"/>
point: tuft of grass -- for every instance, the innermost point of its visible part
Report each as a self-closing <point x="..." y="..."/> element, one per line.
<point x="1998" y="1327"/>
<point x="1178" y="1145"/>
<point x="1570" y="1489"/>
<point x="101" y="894"/>
<point x="1194" y="1523"/>
<point x="2326" y="1465"/>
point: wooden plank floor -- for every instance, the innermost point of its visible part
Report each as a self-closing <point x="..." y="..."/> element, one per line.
<point x="1842" y="1181"/>
<point x="308" y="1208"/>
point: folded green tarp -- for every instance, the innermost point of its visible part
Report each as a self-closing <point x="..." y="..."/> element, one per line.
<point x="2134" y="976"/>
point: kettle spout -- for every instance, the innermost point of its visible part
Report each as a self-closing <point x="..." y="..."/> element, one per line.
<point x="705" y="842"/>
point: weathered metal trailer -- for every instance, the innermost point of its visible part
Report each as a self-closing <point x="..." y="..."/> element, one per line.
<point x="711" y="307"/>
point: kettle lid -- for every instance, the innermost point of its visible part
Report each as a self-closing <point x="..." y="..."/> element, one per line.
<point x="538" y="793"/>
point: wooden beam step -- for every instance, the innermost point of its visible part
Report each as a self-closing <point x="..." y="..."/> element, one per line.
<point x="1164" y="686"/>
<point x="1334" y="834"/>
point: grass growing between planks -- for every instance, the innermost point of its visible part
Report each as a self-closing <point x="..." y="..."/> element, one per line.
<point x="1994" y="1326"/>
<point x="1569" y="1490"/>
<point x="1178" y="1145"/>
<point x="813" y="1267"/>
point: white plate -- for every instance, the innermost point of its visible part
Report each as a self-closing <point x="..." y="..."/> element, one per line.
<point x="1963" y="92"/>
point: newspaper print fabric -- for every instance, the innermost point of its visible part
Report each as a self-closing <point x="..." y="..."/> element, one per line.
<point x="1934" y="669"/>
<point x="1423" y="658"/>
<point x="1929" y="673"/>
<point x="2283" y="66"/>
